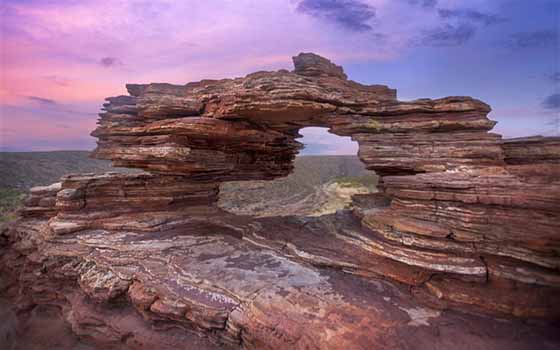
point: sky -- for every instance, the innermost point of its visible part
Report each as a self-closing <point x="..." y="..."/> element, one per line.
<point x="60" y="59"/>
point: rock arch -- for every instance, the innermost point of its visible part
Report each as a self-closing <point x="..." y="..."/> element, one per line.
<point x="455" y="206"/>
<point x="451" y="221"/>
<point x="230" y="126"/>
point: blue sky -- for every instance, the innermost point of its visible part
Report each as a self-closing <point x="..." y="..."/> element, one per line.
<point x="59" y="59"/>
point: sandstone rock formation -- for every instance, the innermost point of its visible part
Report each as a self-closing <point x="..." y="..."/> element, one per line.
<point x="465" y="222"/>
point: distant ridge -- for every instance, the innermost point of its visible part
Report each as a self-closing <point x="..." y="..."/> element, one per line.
<point x="22" y="170"/>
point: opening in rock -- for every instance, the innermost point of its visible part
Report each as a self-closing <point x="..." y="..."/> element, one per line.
<point x="327" y="173"/>
<point x="319" y="142"/>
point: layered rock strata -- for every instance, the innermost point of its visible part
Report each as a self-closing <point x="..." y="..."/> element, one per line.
<point x="41" y="201"/>
<point x="140" y="202"/>
<point x="464" y="221"/>
<point x="241" y="283"/>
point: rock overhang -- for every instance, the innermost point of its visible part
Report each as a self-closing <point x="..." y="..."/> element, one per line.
<point x="252" y="122"/>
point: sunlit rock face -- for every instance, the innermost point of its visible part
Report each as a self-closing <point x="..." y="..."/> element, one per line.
<point x="464" y="221"/>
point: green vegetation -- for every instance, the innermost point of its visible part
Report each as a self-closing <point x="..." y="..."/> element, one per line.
<point x="23" y="170"/>
<point x="20" y="171"/>
<point x="10" y="201"/>
<point x="369" y="181"/>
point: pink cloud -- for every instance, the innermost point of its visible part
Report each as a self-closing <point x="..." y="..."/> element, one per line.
<point x="78" y="52"/>
<point x="168" y="41"/>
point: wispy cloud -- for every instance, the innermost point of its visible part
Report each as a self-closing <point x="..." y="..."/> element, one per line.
<point x="552" y="102"/>
<point x="459" y="26"/>
<point x="470" y="15"/>
<point x="427" y="4"/>
<point x="447" y="35"/>
<point x="352" y="15"/>
<point x="109" y="62"/>
<point x="60" y="81"/>
<point x="535" y="39"/>
<point x="45" y="126"/>
<point x="42" y="100"/>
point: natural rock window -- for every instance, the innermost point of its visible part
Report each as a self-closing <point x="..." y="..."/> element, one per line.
<point x="327" y="174"/>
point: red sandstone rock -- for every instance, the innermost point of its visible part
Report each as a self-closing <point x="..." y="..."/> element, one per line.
<point x="320" y="292"/>
<point x="313" y="65"/>
<point x="465" y="221"/>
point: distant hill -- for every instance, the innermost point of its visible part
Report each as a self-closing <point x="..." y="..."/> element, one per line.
<point x="318" y="185"/>
<point x="23" y="170"/>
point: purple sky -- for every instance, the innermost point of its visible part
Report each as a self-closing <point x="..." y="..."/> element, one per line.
<point x="60" y="59"/>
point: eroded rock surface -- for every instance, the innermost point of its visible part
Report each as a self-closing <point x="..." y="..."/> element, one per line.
<point x="465" y="227"/>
